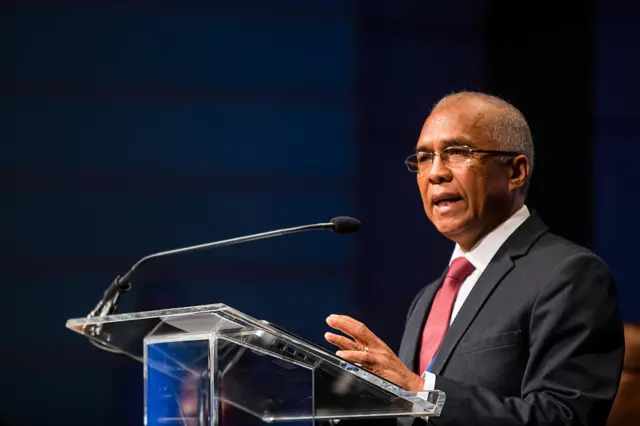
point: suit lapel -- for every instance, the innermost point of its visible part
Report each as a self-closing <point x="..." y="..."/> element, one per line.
<point x="412" y="340"/>
<point x="472" y="305"/>
<point x="516" y="245"/>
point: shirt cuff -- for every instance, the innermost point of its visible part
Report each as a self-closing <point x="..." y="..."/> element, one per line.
<point x="429" y="385"/>
<point x="429" y="381"/>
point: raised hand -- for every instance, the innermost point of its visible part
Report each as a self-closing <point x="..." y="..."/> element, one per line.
<point x="372" y="353"/>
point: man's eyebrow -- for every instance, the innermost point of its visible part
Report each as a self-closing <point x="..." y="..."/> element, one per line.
<point x="447" y="143"/>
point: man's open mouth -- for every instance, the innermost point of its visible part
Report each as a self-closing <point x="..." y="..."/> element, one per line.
<point x="446" y="199"/>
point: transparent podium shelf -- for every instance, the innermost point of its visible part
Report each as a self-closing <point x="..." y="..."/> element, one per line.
<point x="213" y="365"/>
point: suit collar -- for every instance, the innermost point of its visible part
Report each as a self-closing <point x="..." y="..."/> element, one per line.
<point x="525" y="236"/>
<point x="517" y="245"/>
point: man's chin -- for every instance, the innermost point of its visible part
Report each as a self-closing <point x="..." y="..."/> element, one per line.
<point x="451" y="229"/>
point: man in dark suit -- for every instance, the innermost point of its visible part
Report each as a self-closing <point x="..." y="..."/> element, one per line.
<point x="523" y="328"/>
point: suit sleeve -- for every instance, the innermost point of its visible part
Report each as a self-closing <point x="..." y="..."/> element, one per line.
<point x="576" y="349"/>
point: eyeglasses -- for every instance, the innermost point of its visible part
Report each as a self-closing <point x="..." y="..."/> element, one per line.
<point x="452" y="156"/>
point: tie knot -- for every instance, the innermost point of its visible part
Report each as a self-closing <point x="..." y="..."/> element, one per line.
<point x="460" y="269"/>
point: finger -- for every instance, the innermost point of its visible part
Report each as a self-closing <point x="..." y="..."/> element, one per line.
<point x="358" y="357"/>
<point x="343" y="342"/>
<point x="349" y="326"/>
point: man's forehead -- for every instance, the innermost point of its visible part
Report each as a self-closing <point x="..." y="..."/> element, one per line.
<point x="448" y="126"/>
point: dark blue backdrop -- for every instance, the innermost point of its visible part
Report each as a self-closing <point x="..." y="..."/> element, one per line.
<point x="129" y="128"/>
<point x="617" y="127"/>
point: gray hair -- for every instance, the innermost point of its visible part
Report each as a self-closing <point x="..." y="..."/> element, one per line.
<point x="506" y="125"/>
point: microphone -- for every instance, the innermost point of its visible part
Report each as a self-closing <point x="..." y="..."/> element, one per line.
<point x="108" y="303"/>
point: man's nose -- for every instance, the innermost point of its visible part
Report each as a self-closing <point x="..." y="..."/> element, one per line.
<point x="439" y="172"/>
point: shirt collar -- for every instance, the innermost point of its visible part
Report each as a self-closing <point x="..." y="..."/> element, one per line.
<point x="484" y="250"/>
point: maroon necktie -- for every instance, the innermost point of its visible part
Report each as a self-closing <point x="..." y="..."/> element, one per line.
<point x="440" y="313"/>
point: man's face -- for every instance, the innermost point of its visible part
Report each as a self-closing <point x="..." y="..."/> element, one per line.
<point x="466" y="201"/>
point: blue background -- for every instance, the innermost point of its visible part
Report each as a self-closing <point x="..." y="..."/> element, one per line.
<point x="133" y="127"/>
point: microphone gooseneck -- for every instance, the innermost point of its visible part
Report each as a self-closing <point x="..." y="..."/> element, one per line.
<point x="109" y="301"/>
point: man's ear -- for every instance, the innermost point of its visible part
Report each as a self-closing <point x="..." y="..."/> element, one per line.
<point x="518" y="172"/>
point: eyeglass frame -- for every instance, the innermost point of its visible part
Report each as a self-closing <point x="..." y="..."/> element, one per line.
<point x="466" y="147"/>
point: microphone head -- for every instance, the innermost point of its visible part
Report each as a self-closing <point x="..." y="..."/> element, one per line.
<point x="345" y="225"/>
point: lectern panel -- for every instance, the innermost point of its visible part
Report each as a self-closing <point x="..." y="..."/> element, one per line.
<point x="177" y="383"/>
<point x="267" y="387"/>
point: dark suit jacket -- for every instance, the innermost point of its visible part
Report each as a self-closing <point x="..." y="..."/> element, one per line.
<point x="538" y="341"/>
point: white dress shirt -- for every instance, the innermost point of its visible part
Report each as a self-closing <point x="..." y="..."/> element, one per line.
<point x="479" y="256"/>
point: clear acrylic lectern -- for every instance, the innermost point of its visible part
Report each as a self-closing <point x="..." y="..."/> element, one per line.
<point x="213" y="365"/>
